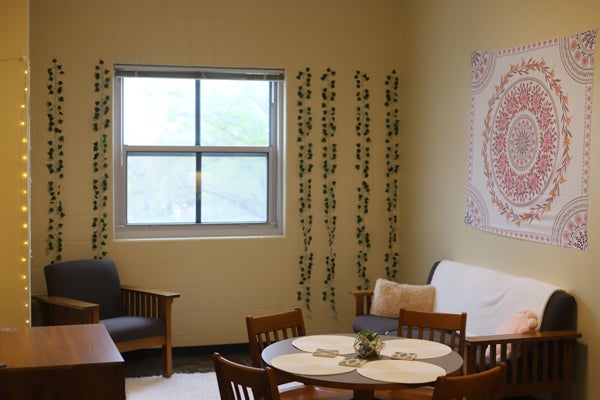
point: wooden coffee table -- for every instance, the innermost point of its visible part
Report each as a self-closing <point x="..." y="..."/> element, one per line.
<point x="60" y="362"/>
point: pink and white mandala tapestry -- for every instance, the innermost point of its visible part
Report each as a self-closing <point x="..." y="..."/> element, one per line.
<point x="531" y="118"/>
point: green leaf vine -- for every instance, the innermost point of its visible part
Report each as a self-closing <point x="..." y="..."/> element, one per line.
<point x="305" y="166"/>
<point x="329" y="154"/>
<point x="392" y="168"/>
<point x="363" y="158"/>
<point x="101" y="128"/>
<point x="55" y="114"/>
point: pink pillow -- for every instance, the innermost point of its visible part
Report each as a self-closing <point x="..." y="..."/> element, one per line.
<point x="524" y="321"/>
<point x="389" y="297"/>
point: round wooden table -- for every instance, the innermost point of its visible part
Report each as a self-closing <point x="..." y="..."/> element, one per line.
<point x="363" y="388"/>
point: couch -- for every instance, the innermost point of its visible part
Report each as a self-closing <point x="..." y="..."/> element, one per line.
<point x="539" y="362"/>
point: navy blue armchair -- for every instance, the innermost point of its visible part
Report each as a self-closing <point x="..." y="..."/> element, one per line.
<point x="89" y="291"/>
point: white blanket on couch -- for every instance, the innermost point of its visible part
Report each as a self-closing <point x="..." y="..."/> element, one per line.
<point x="488" y="297"/>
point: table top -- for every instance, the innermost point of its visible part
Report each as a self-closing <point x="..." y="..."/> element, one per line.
<point x="56" y="346"/>
<point x="450" y="362"/>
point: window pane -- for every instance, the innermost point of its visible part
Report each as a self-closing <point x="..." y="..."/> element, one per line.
<point x="234" y="188"/>
<point x="161" y="188"/>
<point x="159" y="111"/>
<point x="234" y="113"/>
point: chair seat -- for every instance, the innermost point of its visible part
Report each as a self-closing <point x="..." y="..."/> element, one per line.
<point x="123" y="329"/>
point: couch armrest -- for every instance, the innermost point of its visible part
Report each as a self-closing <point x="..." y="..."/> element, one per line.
<point x="539" y="362"/>
<point x="64" y="311"/>
<point x="152" y="303"/>
<point x="362" y="301"/>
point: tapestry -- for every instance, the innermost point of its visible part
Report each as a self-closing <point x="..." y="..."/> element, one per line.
<point x="531" y="109"/>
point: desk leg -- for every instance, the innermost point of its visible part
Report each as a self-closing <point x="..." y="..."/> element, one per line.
<point x="363" y="395"/>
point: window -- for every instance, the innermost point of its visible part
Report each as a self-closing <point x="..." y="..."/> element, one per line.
<point x="197" y="152"/>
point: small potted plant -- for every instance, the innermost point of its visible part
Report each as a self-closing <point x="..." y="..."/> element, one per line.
<point x="368" y="344"/>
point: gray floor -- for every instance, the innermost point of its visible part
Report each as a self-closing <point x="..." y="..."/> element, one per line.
<point x="185" y="359"/>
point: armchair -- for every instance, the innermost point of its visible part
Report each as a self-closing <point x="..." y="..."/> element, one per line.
<point x="89" y="291"/>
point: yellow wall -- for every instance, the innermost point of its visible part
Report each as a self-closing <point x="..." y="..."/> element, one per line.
<point x="14" y="260"/>
<point x="440" y="35"/>
<point x="428" y="41"/>
<point x="221" y="281"/>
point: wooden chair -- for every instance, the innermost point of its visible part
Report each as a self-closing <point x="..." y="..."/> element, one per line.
<point x="267" y="329"/>
<point x="486" y="385"/>
<point x="444" y="328"/>
<point x="242" y="382"/>
<point x="89" y="291"/>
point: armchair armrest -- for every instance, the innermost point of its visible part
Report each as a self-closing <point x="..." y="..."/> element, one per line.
<point x="152" y="303"/>
<point x="64" y="311"/>
<point x="538" y="361"/>
<point x="362" y="301"/>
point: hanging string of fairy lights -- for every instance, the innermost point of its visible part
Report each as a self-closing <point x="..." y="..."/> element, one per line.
<point x="23" y="170"/>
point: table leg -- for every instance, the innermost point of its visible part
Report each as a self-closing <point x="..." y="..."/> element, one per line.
<point x="364" y="395"/>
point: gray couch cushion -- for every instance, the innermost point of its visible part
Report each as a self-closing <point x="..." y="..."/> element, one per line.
<point x="560" y="313"/>
<point x="381" y="325"/>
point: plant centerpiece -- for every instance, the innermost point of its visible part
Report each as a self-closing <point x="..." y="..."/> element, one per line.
<point x="368" y="344"/>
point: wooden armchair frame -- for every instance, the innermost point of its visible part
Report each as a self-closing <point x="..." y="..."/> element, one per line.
<point x="540" y="362"/>
<point x="150" y="303"/>
<point x="544" y="359"/>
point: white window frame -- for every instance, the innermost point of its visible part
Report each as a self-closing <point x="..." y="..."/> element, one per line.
<point x="274" y="224"/>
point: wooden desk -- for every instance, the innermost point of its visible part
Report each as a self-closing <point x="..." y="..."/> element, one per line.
<point x="60" y="362"/>
<point x="363" y="388"/>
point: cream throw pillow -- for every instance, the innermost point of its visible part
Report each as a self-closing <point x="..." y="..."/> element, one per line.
<point x="389" y="297"/>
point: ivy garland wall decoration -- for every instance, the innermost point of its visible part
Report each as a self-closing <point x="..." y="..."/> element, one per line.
<point x="305" y="166"/>
<point x="363" y="157"/>
<point x="329" y="166"/>
<point x="392" y="157"/>
<point x="55" y="114"/>
<point x="101" y="128"/>
<point x="306" y="142"/>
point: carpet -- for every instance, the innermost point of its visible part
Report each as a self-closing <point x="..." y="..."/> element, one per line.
<point x="198" y="386"/>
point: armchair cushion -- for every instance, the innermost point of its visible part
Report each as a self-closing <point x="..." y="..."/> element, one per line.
<point x="123" y="329"/>
<point x="94" y="281"/>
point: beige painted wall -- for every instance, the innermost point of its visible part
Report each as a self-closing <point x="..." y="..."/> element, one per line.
<point x="221" y="281"/>
<point x="14" y="247"/>
<point x="439" y="36"/>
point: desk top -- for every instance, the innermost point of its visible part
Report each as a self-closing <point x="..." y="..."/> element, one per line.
<point x="56" y="346"/>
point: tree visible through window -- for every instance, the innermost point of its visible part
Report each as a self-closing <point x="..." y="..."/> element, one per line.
<point x="197" y="152"/>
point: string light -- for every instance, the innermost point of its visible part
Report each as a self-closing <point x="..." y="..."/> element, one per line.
<point x="24" y="134"/>
<point x="24" y="172"/>
<point x="25" y="183"/>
